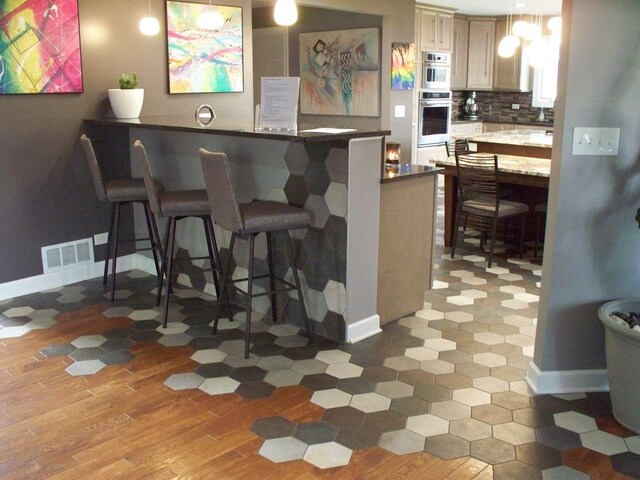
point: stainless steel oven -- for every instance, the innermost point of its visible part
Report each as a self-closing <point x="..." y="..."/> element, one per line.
<point x="434" y="117"/>
<point x="436" y="71"/>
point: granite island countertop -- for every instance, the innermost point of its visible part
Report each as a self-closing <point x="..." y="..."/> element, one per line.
<point x="538" y="167"/>
<point x="525" y="137"/>
<point x="406" y="171"/>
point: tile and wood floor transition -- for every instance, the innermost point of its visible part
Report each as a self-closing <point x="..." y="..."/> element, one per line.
<point x="93" y="389"/>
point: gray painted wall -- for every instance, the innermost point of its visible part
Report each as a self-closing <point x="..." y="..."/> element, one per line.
<point x="593" y="244"/>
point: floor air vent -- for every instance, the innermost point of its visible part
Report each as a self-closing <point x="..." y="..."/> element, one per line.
<point x="67" y="255"/>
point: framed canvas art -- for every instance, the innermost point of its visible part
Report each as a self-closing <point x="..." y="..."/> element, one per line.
<point x="340" y="72"/>
<point x="204" y="59"/>
<point x="403" y="66"/>
<point x="40" y="47"/>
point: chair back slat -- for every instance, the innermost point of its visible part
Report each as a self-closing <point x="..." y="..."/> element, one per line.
<point x="460" y="145"/>
<point x="222" y="196"/>
<point x="153" y="187"/>
<point x="94" y="166"/>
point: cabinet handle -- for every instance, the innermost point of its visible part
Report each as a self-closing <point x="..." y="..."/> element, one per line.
<point x="442" y="31"/>
<point x="486" y="55"/>
<point x="433" y="21"/>
<point x="456" y="41"/>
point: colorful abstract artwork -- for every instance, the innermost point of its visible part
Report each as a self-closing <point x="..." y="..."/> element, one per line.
<point x="340" y="72"/>
<point x="203" y="59"/>
<point x="403" y="66"/>
<point x="40" y="47"/>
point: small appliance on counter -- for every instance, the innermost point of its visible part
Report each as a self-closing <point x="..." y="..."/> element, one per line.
<point x="471" y="108"/>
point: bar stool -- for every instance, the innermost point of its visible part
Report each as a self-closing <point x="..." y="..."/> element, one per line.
<point x="541" y="213"/>
<point x="175" y="206"/>
<point x="120" y="192"/>
<point x="251" y="219"/>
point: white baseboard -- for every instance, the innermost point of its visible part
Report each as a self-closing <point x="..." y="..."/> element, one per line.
<point x="567" y="381"/>
<point x="48" y="281"/>
<point x="362" y="329"/>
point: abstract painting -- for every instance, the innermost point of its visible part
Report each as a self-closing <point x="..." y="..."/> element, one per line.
<point x="403" y="66"/>
<point x="340" y="72"/>
<point x="204" y="59"/>
<point x="40" y="47"/>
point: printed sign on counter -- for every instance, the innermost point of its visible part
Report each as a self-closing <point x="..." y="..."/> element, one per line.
<point x="278" y="104"/>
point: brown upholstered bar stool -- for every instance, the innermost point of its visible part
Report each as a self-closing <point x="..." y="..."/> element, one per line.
<point x="251" y="219"/>
<point x="175" y="206"/>
<point x="541" y="213"/>
<point x="118" y="193"/>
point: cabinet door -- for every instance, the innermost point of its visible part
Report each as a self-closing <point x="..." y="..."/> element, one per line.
<point x="460" y="49"/>
<point x="481" y="43"/>
<point x="444" y="30"/>
<point x="428" y="37"/>
<point x="509" y="73"/>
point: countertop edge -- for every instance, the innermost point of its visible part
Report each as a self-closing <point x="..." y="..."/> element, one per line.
<point x="426" y="171"/>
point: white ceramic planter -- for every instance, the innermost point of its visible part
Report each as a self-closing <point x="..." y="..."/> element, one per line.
<point x="623" y="363"/>
<point x="126" y="103"/>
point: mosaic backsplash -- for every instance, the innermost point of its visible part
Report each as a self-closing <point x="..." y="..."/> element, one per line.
<point x="500" y="103"/>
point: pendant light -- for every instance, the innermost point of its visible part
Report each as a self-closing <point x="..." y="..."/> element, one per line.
<point x="507" y="46"/>
<point x="149" y="25"/>
<point x="285" y="12"/>
<point x="209" y="19"/>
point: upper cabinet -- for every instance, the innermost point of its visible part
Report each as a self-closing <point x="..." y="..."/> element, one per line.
<point x="435" y="30"/>
<point x="481" y="52"/>
<point x="511" y="73"/>
<point x="459" y="53"/>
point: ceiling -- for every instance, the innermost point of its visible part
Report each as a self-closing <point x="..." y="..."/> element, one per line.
<point x="497" y="7"/>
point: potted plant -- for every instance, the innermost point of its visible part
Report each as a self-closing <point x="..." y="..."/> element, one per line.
<point x="126" y="101"/>
<point x="621" y="319"/>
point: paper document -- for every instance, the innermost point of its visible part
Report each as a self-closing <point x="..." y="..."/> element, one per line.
<point x="328" y="130"/>
<point x="279" y="103"/>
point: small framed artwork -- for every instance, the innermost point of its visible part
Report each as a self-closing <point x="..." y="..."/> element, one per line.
<point x="403" y="66"/>
<point x="204" y="48"/>
<point x="40" y="47"/>
<point x="340" y="72"/>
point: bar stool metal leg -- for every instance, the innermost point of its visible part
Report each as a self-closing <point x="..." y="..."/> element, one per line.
<point x="109" y="245"/>
<point x="114" y="258"/>
<point x="272" y="282"/>
<point x="296" y="277"/>
<point x="169" y="248"/>
<point x="247" y="325"/>
<point x="225" y="281"/>
<point x="153" y="235"/>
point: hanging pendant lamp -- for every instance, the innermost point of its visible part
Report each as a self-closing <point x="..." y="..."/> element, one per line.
<point x="285" y="12"/>
<point x="209" y="19"/>
<point x="149" y="25"/>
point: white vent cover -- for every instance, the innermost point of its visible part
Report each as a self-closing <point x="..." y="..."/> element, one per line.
<point x="67" y="255"/>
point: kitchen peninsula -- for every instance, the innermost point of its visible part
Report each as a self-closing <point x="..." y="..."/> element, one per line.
<point x="524" y="166"/>
<point x="335" y="176"/>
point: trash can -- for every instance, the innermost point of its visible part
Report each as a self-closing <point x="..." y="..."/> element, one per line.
<point x="622" y="347"/>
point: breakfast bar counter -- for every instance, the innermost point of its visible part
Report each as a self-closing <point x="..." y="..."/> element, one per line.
<point x="336" y="176"/>
<point x="524" y="142"/>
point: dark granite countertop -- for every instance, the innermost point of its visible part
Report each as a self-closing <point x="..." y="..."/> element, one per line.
<point x="407" y="171"/>
<point x="233" y="128"/>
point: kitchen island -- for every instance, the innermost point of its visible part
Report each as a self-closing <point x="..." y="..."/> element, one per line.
<point x="335" y="176"/>
<point x="523" y="142"/>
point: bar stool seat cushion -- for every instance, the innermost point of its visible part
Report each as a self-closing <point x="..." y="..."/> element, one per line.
<point x="125" y="190"/>
<point x="506" y="208"/>
<point x="269" y="216"/>
<point x="185" y="203"/>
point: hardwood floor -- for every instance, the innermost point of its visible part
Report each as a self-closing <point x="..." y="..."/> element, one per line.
<point x="124" y="423"/>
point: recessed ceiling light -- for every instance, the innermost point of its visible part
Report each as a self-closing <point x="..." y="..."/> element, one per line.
<point x="520" y="5"/>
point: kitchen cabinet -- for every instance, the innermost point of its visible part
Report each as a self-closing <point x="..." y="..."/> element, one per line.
<point x="435" y="30"/>
<point x="481" y="53"/>
<point x="459" y="53"/>
<point x="465" y="129"/>
<point x="510" y="73"/>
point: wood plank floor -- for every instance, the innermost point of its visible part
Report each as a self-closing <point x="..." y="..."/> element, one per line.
<point x="123" y="423"/>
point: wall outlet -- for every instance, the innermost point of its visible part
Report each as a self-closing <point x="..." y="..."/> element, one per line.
<point x="100" y="238"/>
<point x="595" y="141"/>
<point x="515" y="106"/>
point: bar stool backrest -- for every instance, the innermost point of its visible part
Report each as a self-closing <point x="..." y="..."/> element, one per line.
<point x="478" y="177"/>
<point x="94" y="166"/>
<point x="222" y="196"/>
<point x="154" y="188"/>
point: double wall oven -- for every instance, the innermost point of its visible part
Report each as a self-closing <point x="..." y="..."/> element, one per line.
<point x="434" y="101"/>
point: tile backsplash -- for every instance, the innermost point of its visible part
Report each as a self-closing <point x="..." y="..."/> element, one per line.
<point x="500" y="106"/>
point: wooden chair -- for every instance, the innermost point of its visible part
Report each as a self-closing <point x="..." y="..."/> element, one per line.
<point x="479" y="204"/>
<point x="460" y="145"/>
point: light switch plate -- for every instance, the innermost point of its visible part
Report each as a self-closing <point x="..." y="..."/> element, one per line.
<point x="399" y="111"/>
<point x="595" y="141"/>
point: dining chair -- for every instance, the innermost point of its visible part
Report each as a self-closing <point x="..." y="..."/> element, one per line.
<point x="541" y="214"/>
<point x="460" y="145"/>
<point x="479" y="203"/>
<point x="175" y="206"/>
<point x="120" y="192"/>
<point x="249" y="220"/>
